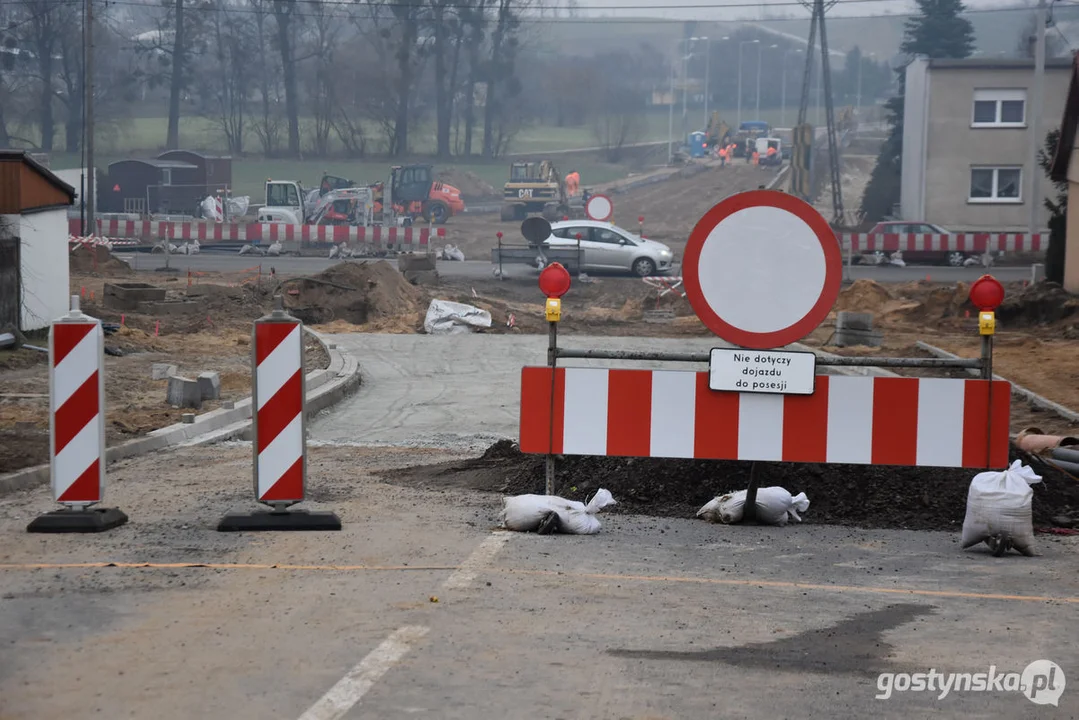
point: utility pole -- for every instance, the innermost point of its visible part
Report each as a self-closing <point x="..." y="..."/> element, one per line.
<point x="670" y="119"/>
<point x="817" y="22"/>
<point x="707" y="72"/>
<point x="1034" y="112"/>
<point x="759" y="46"/>
<point x="88" y="115"/>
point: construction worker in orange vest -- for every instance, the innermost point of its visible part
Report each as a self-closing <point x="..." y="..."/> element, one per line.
<point x="756" y="158"/>
<point x="771" y="153"/>
<point x="573" y="182"/>
<point x="723" y="157"/>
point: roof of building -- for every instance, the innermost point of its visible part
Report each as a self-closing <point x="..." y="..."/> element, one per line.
<point x="1058" y="170"/>
<point x="30" y="186"/>
<point x="170" y="164"/>
<point x="987" y="63"/>
<point x="196" y="153"/>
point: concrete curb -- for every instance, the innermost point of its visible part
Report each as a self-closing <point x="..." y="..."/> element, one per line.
<point x="325" y="387"/>
<point x="1029" y="395"/>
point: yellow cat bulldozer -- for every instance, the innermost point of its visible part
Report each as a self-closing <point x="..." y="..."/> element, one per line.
<point x="538" y="187"/>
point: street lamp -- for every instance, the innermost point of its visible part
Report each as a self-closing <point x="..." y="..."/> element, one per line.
<point x="861" y="62"/>
<point x="670" y="106"/>
<point x="741" y="45"/>
<point x="783" y="106"/>
<point x="759" y="46"/>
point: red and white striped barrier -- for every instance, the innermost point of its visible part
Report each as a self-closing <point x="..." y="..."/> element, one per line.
<point x="930" y="242"/>
<point x="408" y="238"/>
<point x="93" y="241"/>
<point x="77" y="409"/>
<point x="666" y="284"/>
<point x="280" y="446"/>
<point x="937" y="422"/>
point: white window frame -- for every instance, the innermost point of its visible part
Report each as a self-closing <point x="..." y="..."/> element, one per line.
<point x="998" y="96"/>
<point x="994" y="199"/>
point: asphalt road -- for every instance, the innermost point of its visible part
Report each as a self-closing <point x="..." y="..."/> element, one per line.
<point x="476" y="269"/>
<point x="418" y="607"/>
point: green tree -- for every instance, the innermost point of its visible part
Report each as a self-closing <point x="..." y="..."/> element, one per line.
<point x="938" y="31"/>
<point x="1058" y="212"/>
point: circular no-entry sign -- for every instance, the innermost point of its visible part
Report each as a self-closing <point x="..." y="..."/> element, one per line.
<point x="599" y="207"/>
<point x="762" y="269"/>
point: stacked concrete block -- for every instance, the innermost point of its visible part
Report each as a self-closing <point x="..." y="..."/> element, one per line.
<point x="209" y="385"/>
<point x="162" y="371"/>
<point x="856" y="328"/>
<point x="184" y="392"/>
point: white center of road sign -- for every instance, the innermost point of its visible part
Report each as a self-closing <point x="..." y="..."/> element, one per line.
<point x="599" y="207"/>
<point x="765" y="269"/>
<point x="762" y="269"/>
<point x="762" y="371"/>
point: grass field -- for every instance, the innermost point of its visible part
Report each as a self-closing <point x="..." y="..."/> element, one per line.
<point x="145" y="136"/>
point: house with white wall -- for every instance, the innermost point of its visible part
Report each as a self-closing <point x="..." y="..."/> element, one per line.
<point x="34" y="280"/>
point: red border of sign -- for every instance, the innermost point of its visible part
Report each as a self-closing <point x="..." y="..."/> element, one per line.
<point x="833" y="269"/>
<point x="610" y="203"/>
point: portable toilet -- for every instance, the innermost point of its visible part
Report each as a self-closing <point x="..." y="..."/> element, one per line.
<point x="698" y="146"/>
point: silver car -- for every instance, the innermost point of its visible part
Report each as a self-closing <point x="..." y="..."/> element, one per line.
<point x="608" y="247"/>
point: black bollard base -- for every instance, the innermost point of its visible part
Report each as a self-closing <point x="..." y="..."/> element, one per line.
<point x="288" y="520"/>
<point x="91" y="520"/>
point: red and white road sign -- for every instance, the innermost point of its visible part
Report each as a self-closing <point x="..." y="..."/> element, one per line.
<point x="939" y="422"/>
<point x="77" y="409"/>
<point x="762" y="269"/>
<point x="280" y="446"/>
<point x="599" y="207"/>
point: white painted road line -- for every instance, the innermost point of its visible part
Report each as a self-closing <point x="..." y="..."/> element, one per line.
<point x="463" y="576"/>
<point x="352" y="687"/>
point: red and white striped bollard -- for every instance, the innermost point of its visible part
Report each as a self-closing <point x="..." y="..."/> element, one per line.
<point x="77" y="426"/>
<point x="279" y="443"/>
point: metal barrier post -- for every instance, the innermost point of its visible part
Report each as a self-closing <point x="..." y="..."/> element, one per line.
<point x="278" y="433"/>
<point x="77" y="427"/>
<point x="552" y="361"/>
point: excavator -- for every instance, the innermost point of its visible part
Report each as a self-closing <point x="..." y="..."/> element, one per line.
<point x="414" y="193"/>
<point x="539" y="187"/>
<point x="718" y="133"/>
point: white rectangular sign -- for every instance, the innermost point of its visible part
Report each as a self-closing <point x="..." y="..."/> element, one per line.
<point x="762" y="371"/>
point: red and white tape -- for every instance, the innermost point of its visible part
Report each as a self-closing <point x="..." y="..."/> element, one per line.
<point x="665" y="284"/>
<point x="280" y="446"/>
<point x="77" y="409"/>
<point x="940" y="242"/>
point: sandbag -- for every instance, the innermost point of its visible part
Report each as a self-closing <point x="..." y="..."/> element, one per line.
<point x="999" y="509"/>
<point x="775" y="506"/>
<point x="525" y="512"/>
<point x="447" y="318"/>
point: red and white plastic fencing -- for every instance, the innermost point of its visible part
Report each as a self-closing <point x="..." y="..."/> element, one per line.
<point x="93" y="241"/>
<point x="930" y="242"/>
<point x="279" y="442"/>
<point x="666" y="284"/>
<point x="150" y="231"/>
<point x="938" y="422"/>
<point x="77" y="409"/>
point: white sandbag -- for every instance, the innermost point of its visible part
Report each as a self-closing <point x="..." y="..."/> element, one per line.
<point x="238" y="205"/>
<point x="452" y="252"/>
<point x="524" y="512"/>
<point x="211" y="209"/>
<point x="775" y="506"/>
<point x="448" y="318"/>
<point x="998" y="505"/>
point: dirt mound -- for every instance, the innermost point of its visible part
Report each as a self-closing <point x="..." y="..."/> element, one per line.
<point x="471" y="185"/>
<point x="936" y="304"/>
<point x="81" y="261"/>
<point x="855" y="495"/>
<point x="864" y="296"/>
<point x="1043" y="304"/>
<point x="355" y="292"/>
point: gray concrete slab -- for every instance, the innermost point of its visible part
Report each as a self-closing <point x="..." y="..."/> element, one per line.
<point x="459" y="391"/>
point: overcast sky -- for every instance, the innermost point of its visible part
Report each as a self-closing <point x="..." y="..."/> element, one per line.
<point x="748" y="10"/>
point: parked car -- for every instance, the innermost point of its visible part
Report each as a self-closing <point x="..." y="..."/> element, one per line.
<point x="955" y="258"/>
<point x="608" y="247"/>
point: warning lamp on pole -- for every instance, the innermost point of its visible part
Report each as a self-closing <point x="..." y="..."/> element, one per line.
<point x="554" y="282"/>
<point x="640" y="224"/>
<point x="986" y="294"/>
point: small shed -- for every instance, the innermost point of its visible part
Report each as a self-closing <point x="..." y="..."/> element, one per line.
<point x="214" y="171"/>
<point x="33" y="235"/>
<point x="152" y="186"/>
<point x="1064" y="168"/>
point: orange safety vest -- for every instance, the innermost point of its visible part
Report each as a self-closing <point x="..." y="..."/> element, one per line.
<point x="771" y="151"/>
<point x="756" y="157"/>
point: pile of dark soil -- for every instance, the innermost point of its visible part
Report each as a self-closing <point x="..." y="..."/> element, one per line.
<point x="23" y="448"/>
<point x="854" y="495"/>
<point x="473" y="188"/>
<point x="1040" y="304"/>
<point x="81" y="261"/>
<point x="356" y="292"/>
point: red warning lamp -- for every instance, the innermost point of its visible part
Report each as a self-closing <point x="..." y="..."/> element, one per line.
<point x="640" y="218"/>
<point x="499" y="234"/>
<point x="554" y="281"/>
<point x="986" y="293"/>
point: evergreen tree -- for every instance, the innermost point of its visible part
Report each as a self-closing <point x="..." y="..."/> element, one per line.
<point x="939" y="31"/>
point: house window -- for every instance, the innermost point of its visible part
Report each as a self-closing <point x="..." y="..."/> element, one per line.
<point x="995" y="184"/>
<point x="999" y="108"/>
<point x="166" y="176"/>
